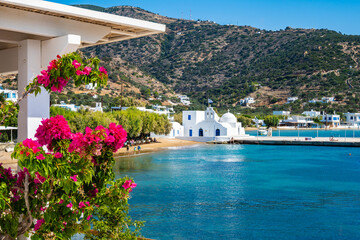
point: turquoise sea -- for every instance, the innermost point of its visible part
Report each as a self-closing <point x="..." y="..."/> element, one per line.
<point x="246" y="192"/>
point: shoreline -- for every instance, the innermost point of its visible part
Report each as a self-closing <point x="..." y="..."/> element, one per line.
<point x="162" y="145"/>
<point x="302" y="129"/>
<point x="147" y="148"/>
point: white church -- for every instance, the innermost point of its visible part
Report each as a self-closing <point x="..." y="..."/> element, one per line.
<point x="208" y="125"/>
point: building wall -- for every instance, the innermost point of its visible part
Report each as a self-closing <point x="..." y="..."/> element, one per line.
<point x="209" y="129"/>
<point x="196" y="117"/>
<point x="353" y="118"/>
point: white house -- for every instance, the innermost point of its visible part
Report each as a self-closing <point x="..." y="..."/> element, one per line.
<point x="208" y="125"/>
<point x="330" y="120"/>
<point x="327" y="99"/>
<point x="184" y="100"/>
<point x="9" y="95"/>
<point x="169" y="111"/>
<point x="177" y="130"/>
<point x="70" y="107"/>
<point x="281" y="113"/>
<point x="90" y="86"/>
<point x="314" y="101"/>
<point x="353" y="118"/>
<point x="292" y="99"/>
<point x="311" y="113"/>
<point x="298" y="121"/>
<point x="247" y="101"/>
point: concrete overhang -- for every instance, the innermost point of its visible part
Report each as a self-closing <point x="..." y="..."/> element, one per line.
<point x="43" y="20"/>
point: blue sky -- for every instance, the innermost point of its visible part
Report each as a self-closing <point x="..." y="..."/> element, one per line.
<point x="339" y="15"/>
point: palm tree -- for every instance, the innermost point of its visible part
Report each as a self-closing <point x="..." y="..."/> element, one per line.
<point x="318" y="122"/>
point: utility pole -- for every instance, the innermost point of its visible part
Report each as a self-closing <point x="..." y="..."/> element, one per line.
<point x="121" y="92"/>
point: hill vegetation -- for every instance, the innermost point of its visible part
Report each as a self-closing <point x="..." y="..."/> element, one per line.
<point x="225" y="63"/>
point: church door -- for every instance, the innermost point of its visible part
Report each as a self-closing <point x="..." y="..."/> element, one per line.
<point x="201" y="132"/>
<point x="217" y="132"/>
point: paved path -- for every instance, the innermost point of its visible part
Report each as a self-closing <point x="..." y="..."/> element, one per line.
<point x="321" y="141"/>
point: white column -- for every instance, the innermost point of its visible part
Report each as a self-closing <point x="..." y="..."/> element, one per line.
<point x="35" y="55"/>
<point x="32" y="109"/>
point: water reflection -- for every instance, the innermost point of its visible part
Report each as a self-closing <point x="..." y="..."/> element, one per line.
<point x="132" y="164"/>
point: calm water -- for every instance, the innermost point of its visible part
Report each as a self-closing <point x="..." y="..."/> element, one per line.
<point x="247" y="192"/>
<point x="349" y="133"/>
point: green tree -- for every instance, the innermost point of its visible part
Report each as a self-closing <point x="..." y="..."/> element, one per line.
<point x="245" y="121"/>
<point x="271" y="121"/>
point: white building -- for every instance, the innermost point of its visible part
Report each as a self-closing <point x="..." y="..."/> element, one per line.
<point x="353" y="119"/>
<point x="281" y="113"/>
<point x="70" y="107"/>
<point x="169" y="111"/>
<point x="298" y="121"/>
<point x="330" y="120"/>
<point x="314" y="101"/>
<point x="208" y="125"/>
<point x="177" y="130"/>
<point x="9" y="95"/>
<point x="311" y="113"/>
<point x="247" y="101"/>
<point x="292" y="99"/>
<point x="90" y="86"/>
<point x="327" y="99"/>
<point x="184" y="100"/>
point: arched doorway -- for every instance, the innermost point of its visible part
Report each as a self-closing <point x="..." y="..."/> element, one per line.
<point x="217" y="133"/>
<point x="201" y="132"/>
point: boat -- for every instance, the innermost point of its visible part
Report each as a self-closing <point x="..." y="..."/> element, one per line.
<point x="262" y="131"/>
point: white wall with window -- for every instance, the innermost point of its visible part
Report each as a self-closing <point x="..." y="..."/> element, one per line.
<point x="353" y="118"/>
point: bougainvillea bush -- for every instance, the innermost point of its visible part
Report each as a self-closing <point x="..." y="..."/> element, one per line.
<point x="66" y="184"/>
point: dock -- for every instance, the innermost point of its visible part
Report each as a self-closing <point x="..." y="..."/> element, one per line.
<point x="294" y="141"/>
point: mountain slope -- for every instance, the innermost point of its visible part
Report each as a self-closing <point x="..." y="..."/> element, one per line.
<point x="226" y="62"/>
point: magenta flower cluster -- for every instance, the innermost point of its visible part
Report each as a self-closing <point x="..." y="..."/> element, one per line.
<point x="113" y="137"/>
<point x="54" y="128"/>
<point x="56" y="84"/>
<point x="52" y="80"/>
<point x="129" y="184"/>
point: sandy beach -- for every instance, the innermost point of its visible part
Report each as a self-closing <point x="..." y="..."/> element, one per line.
<point x="162" y="144"/>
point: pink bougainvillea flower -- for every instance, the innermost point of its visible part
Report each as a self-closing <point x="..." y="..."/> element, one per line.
<point x="87" y="203"/>
<point x="42" y="209"/>
<point x="31" y="144"/>
<point x="87" y="70"/>
<point x="127" y="184"/>
<point x="40" y="157"/>
<point x="58" y="155"/>
<point x="103" y="70"/>
<point x="89" y="217"/>
<point x="38" y="224"/>
<point x="54" y="128"/>
<point x="61" y="201"/>
<point x="64" y="223"/>
<point x="78" y="72"/>
<point x="76" y="64"/>
<point x="39" y="178"/>
<point x="82" y="205"/>
<point x="69" y="205"/>
<point x="74" y="178"/>
<point x="94" y="192"/>
<point x="119" y="135"/>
